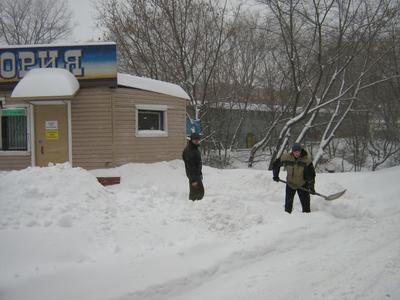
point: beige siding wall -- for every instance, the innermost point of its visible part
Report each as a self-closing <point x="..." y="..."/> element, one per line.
<point x="9" y="100"/>
<point x="130" y="148"/>
<point x="15" y="162"/>
<point x="92" y="128"/>
<point x="104" y="129"/>
<point x="4" y="93"/>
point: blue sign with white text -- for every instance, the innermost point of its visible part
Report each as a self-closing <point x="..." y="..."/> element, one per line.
<point x="89" y="63"/>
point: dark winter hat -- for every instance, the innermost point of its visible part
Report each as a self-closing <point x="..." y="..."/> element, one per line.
<point x="195" y="136"/>
<point x="296" y="147"/>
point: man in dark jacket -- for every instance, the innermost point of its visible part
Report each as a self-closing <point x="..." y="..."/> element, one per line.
<point x="192" y="157"/>
<point x="300" y="173"/>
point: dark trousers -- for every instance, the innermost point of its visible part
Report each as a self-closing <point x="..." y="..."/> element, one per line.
<point x="304" y="199"/>
<point x="196" y="193"/>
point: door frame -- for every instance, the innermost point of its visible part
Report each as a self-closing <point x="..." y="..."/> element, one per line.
<point x="54" y="102"/>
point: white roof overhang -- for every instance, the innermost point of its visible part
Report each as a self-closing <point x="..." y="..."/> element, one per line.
<point x="46" y="83"/>
<point x="152" y="85"/>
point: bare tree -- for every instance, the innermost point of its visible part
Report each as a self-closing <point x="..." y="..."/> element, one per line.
<point x="274" y="82"/>
<point x="313" y="60"/>
<point x="212" y="50"/>
<point x="34" y="21"/>
<point x="327" y="49"/>
<point x="234" y="85"/>
<point x="356" y="145"/>
<point x="383" y="144"/>
<point x="177" y="41"/>
<point x="383" y="106"/>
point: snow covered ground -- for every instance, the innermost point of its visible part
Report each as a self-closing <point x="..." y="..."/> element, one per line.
<point x="64" y="236"/>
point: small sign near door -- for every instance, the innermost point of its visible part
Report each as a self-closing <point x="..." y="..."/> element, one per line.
<point x="51" y="130"/>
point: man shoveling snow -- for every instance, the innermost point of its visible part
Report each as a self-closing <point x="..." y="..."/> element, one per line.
<point x="300" y="176"/>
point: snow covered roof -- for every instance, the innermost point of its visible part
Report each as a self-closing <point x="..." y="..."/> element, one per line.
<point x="46" y="82"/>
<point x="151" y="85"/>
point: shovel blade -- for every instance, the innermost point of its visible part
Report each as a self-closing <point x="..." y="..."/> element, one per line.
<point x="334" y="196"/>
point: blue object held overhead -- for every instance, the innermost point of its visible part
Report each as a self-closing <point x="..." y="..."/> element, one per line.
<point x="192" y="126"/>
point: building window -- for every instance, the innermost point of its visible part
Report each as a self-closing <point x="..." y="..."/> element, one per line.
<point x="14" y="130"/>
<point x="151" y="121"/>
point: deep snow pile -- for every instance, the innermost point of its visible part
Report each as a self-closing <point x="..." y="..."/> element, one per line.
<point x="64" y="236"/>
<point x="57" y="195"/>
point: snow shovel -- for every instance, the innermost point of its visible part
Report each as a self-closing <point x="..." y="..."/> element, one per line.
<point x="328" y="198"/>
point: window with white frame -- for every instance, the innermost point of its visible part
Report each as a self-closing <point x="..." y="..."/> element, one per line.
<point x="14" y="129"/>
<point x="151" y="120"/>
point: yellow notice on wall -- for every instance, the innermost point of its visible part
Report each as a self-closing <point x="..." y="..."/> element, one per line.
<point x="52" y="134"/>
<point x="51" y="130"/>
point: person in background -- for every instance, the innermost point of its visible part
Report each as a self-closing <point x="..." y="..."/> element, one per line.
<point x="192" y="157"/>
<point x="300" y="174"/>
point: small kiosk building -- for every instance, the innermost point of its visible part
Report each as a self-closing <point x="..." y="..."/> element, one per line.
<point x="69" y="104"/>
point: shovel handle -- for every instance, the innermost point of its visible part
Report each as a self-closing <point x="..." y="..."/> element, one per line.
<point x="304" y="189"/>
<point x="328" y="198"/>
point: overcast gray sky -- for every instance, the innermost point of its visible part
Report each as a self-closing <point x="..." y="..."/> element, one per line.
<point x="84" y="18"/>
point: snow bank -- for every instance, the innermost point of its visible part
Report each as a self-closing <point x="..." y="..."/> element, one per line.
<point x="54" y="196"/>
<point x="143" y="239"/>
<point x="164" y="186"/>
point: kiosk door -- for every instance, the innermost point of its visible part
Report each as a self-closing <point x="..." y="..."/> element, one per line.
<point x="51" y="134"/>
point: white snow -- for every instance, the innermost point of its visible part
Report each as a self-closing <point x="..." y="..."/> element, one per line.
<point x="151" y="85"/>
<point x="46" y="82"/>
<point x="64" y="236"/>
